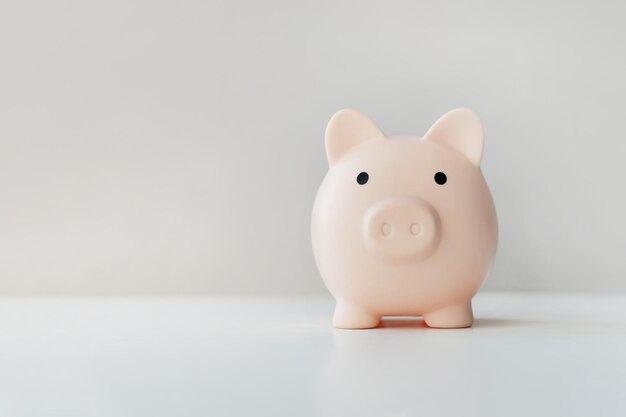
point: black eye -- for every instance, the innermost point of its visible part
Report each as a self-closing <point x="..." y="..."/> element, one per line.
<point x="440" y="178"/>
<point x="362" y="178"/>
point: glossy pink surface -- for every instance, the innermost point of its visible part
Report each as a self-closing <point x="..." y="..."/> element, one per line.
<point x="404" y="225"/>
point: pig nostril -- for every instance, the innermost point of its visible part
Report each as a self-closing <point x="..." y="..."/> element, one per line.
<point x="385" y="229"/>
<point x="416" y="229"/>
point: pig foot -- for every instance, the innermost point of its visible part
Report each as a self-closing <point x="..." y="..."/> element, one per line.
<point x="455" y="316"/>
<point x="350" y="316"/>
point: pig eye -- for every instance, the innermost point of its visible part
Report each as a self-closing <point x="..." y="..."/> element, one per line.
<point x="440" y="178"/>
<point x="362" y="178"/>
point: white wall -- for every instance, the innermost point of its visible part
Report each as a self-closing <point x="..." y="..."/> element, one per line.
<point x="176" y="146"/>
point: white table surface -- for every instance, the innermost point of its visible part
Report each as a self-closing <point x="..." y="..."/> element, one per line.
<point x="528" y="355"/>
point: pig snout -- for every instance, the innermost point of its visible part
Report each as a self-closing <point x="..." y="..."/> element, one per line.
<point x="402" y="228"/>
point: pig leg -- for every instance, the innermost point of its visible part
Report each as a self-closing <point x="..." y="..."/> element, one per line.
<point x="454" y="316"/>
<point x="350" y="316"/>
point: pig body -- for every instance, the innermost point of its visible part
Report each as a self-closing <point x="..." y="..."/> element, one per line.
<point x="404" y="225"/>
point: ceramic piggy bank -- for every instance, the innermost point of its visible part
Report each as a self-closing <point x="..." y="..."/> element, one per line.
<point x="402" y="225"/>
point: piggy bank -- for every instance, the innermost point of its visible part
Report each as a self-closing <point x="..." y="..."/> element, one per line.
<point x="403" y="225"/>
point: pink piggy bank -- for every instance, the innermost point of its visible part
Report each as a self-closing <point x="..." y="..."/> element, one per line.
<point x="402" y="225"/>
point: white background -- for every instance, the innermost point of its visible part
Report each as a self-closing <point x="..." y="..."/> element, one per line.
<point x="176" y="146"/>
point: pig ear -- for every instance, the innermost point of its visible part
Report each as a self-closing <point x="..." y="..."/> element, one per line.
<point x="346" y="129"/>
<point x="459" y="129"/>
